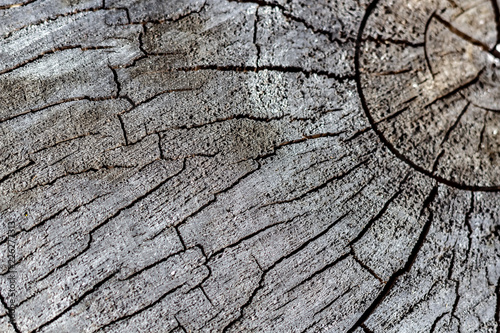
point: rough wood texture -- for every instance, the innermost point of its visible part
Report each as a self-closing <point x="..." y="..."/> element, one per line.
<point x="236" y="166"/>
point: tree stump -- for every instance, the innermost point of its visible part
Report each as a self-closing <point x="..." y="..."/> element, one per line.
<point x="253" y="165"/>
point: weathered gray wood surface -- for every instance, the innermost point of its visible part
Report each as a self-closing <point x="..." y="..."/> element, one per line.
<point x="236" y="166"/>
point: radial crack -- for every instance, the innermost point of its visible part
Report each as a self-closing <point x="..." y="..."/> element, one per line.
<point x="454" y="125"/>
<point x="281" y="69"/>
<point x="75" y="303"/>
<point x="320" y="271"/>
<point x="149" y="306"/>
<point x="382" y="211"/>
<point x="10" y="314"/>
<point x="263" y="276"/>
<point x="59" y="49"/>
<point x="255" y="233"/>
<point x="436" y="321"/>
<point x="493" y="51"/>
<point x="319" y="187"/>
<point x="407" y="266"/>
<point x="104" y="222"/>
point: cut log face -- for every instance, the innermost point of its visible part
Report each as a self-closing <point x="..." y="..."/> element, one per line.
<point x="237" y="166"/>
<point x="434" y="99"/>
